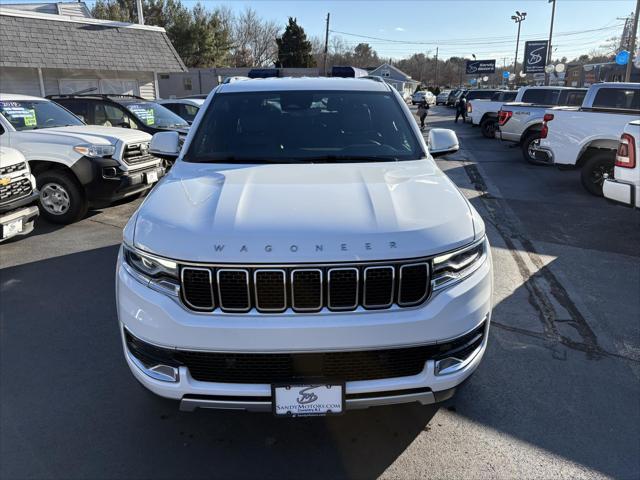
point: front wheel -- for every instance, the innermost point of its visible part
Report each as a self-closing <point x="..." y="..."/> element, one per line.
<point x="488" y="127"/>
<point x="594" y="171"/>
<point x="61" y="198"/>
<point x="529" y="145"/>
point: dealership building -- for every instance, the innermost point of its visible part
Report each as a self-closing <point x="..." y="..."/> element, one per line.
<point x="57" y="48"/>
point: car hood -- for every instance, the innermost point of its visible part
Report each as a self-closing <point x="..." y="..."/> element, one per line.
<point x="303" y="213"/>
<point x="89" y="134"/>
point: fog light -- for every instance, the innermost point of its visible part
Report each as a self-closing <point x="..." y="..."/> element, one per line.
<point x="109" y="172"/>
<point x="448" y="365"/>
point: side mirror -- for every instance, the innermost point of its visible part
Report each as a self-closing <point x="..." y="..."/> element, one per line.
<point x="165" y="145"/>
<point x="442" y="141"/>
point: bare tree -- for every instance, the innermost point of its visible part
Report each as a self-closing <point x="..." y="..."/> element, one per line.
<point x="254" y="40"/>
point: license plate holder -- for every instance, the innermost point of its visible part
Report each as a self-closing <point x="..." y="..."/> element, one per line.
<point x="308" y="400"/>
<point x="11" y="228"/>
<point x="151" y="177"/>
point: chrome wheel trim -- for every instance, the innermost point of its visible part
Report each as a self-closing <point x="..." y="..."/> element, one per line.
<point x="533" y="146"/>
<point x="54" y="199"/>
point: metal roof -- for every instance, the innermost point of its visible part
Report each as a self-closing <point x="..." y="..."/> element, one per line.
<point x="54" y="41"/>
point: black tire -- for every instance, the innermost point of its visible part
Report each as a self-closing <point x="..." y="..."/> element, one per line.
<point x="51" y="182"/>
<point x="488" y="127"/>
<point x="526" y="147"/>
<point x="595" y="169"/>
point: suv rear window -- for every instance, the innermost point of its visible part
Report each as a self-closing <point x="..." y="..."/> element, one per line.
<point x="623" y="98"/>
<point x="480" y="94"/>
<point x="304" y="126"/>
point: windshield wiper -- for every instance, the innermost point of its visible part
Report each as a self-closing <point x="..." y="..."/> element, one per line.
<point x="348" y="159"/>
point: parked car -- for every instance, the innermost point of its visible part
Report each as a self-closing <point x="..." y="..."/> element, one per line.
<point x="485" y="112"/>
<point x="522" y="122"/>
<point x="442" y="97"/>
<point x="457" y="97"/>
<point x="587" y="137"/>
<point x="423" y="95"/>
<point x="126" y="111"/>
<point x="451" y="99"/>
<point x="76" y="165"/>
<point x="624" y="185"/>
<point x="185" y="108"/>
<point x="18" y="195"/>
<point x="300" y="266"/>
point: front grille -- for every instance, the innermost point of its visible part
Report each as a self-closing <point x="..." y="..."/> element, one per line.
<point x="15" y="190"/>
<point x="307" y="289"/>
<point x="16" y="167"/>
<point x="135" y="153"/>
<point x="268" y="368"/>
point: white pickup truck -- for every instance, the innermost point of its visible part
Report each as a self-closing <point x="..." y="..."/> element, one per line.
<point x="485" y="112"/>
<point x="18" y="195"/>
<point x="624" y="187"/>
<point x="587" y="137"/>
<point x="76" y="165"/>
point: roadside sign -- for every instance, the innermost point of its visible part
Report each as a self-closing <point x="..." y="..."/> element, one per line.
<point x="480" y="66"/>
<point x="505" y="74"/>
<point x="622" y="58"/>
<point x="535" y="56"/>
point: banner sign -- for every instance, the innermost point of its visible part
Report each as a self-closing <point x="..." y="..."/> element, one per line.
<point x="535" y="56"/>
<point x="477" y="67"/>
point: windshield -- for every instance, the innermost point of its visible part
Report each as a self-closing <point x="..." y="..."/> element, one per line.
<point x="155" y="115"/>
<point x="304" y="126"/>
<point x="34" y="114"/>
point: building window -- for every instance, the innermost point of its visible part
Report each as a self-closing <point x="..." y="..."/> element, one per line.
<point x="188" y="85"/>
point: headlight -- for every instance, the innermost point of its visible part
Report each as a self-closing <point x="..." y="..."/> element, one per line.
<point x="155" y="272"/>
<point x="454" y="266"/>
<point x="95" y="151"/>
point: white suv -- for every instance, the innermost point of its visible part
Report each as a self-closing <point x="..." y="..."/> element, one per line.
<point x="305" y="255"/>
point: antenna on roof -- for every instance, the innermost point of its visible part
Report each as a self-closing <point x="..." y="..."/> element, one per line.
<point x="86" y="90"/>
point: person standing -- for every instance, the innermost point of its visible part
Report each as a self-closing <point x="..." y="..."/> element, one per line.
<point x="423" y="108"/>
<point x="461" y="109"/>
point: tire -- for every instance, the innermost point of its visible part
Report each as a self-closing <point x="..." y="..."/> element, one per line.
<point x="526" y="146"/>
<point x="488" y="127"/>
<point x="595" y="169"/>
<point x="61" y="198"/>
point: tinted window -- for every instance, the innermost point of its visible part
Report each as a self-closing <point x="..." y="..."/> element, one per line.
<point x="480" y="94"/>
<point x="623" y="98"/>
<point x="79" y="108"/>
<point x="154" y="114"/>
<point x="509" y="96"/>
<point x="299" y="126"/>
<point x="541" y="96"/>
<point x="32" y="114"/>
<point x="573" y="98"/>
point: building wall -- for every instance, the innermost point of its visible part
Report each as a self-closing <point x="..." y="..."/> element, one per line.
<point x="203" y="80"/>
<point x="25" y="81"/>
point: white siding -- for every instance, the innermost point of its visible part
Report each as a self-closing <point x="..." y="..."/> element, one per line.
<point x="147" y="90"/>
<point x="144" y="80"/>
<point x="19" y="80"/>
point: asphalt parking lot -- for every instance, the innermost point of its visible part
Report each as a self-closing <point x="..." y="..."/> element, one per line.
<point x="557" y="395"/>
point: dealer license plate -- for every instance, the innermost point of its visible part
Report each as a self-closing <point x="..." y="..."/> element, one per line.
<point x="12" y="228"/>
<point x="152" y="177"/>
<point x="308" y="400"/>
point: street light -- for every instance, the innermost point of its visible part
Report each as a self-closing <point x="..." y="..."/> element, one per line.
<point x="518" y="18"/>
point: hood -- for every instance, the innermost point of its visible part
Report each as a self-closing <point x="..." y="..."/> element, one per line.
<point x="10" y="156"/>
<point x="303" y="213"/>
<point x="94" y="134"/>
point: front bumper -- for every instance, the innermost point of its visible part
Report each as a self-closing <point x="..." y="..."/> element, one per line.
<point x="28" y="216"/>
<point x="158" y="319"/>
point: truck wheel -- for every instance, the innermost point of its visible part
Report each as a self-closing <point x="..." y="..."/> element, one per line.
<point x="598" y="167"/>
<point x="61" y="199"/>
<point x="488" y="127"/>
<point x="528" y="145"/>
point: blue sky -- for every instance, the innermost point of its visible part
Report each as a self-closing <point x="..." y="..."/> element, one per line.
<point x="458" y="27"/>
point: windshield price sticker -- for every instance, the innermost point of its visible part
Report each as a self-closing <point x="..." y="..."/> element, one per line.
<point x="28" y="114"/>
<point x="144" y="114"/>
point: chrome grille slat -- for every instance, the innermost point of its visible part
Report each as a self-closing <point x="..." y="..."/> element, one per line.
<point x="313" y="288"/>
<point x="16" y="167"/>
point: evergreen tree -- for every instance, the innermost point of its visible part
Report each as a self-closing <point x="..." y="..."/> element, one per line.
<point x="294" y="50"/>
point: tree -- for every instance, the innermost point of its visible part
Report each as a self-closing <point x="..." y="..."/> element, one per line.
<point x="254" y="40"/>
<point x="294" y="50"/>
<point x="201" y="37"/>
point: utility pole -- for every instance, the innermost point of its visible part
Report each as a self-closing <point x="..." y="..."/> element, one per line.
<point x="436" y="85"/>
<point x="634" y="36"/>
<point x="326" y="47"/>
<point x="140" y="14"/>
<point x="547" y="77"/>
<point x="518" y="18"/>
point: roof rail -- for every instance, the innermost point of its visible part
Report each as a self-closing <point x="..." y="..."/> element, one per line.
<point x="94" y="95"/>
<point x="376" y="78"/>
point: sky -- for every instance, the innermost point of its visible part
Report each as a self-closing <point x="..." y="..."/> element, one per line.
<point x="457" y="27"/>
